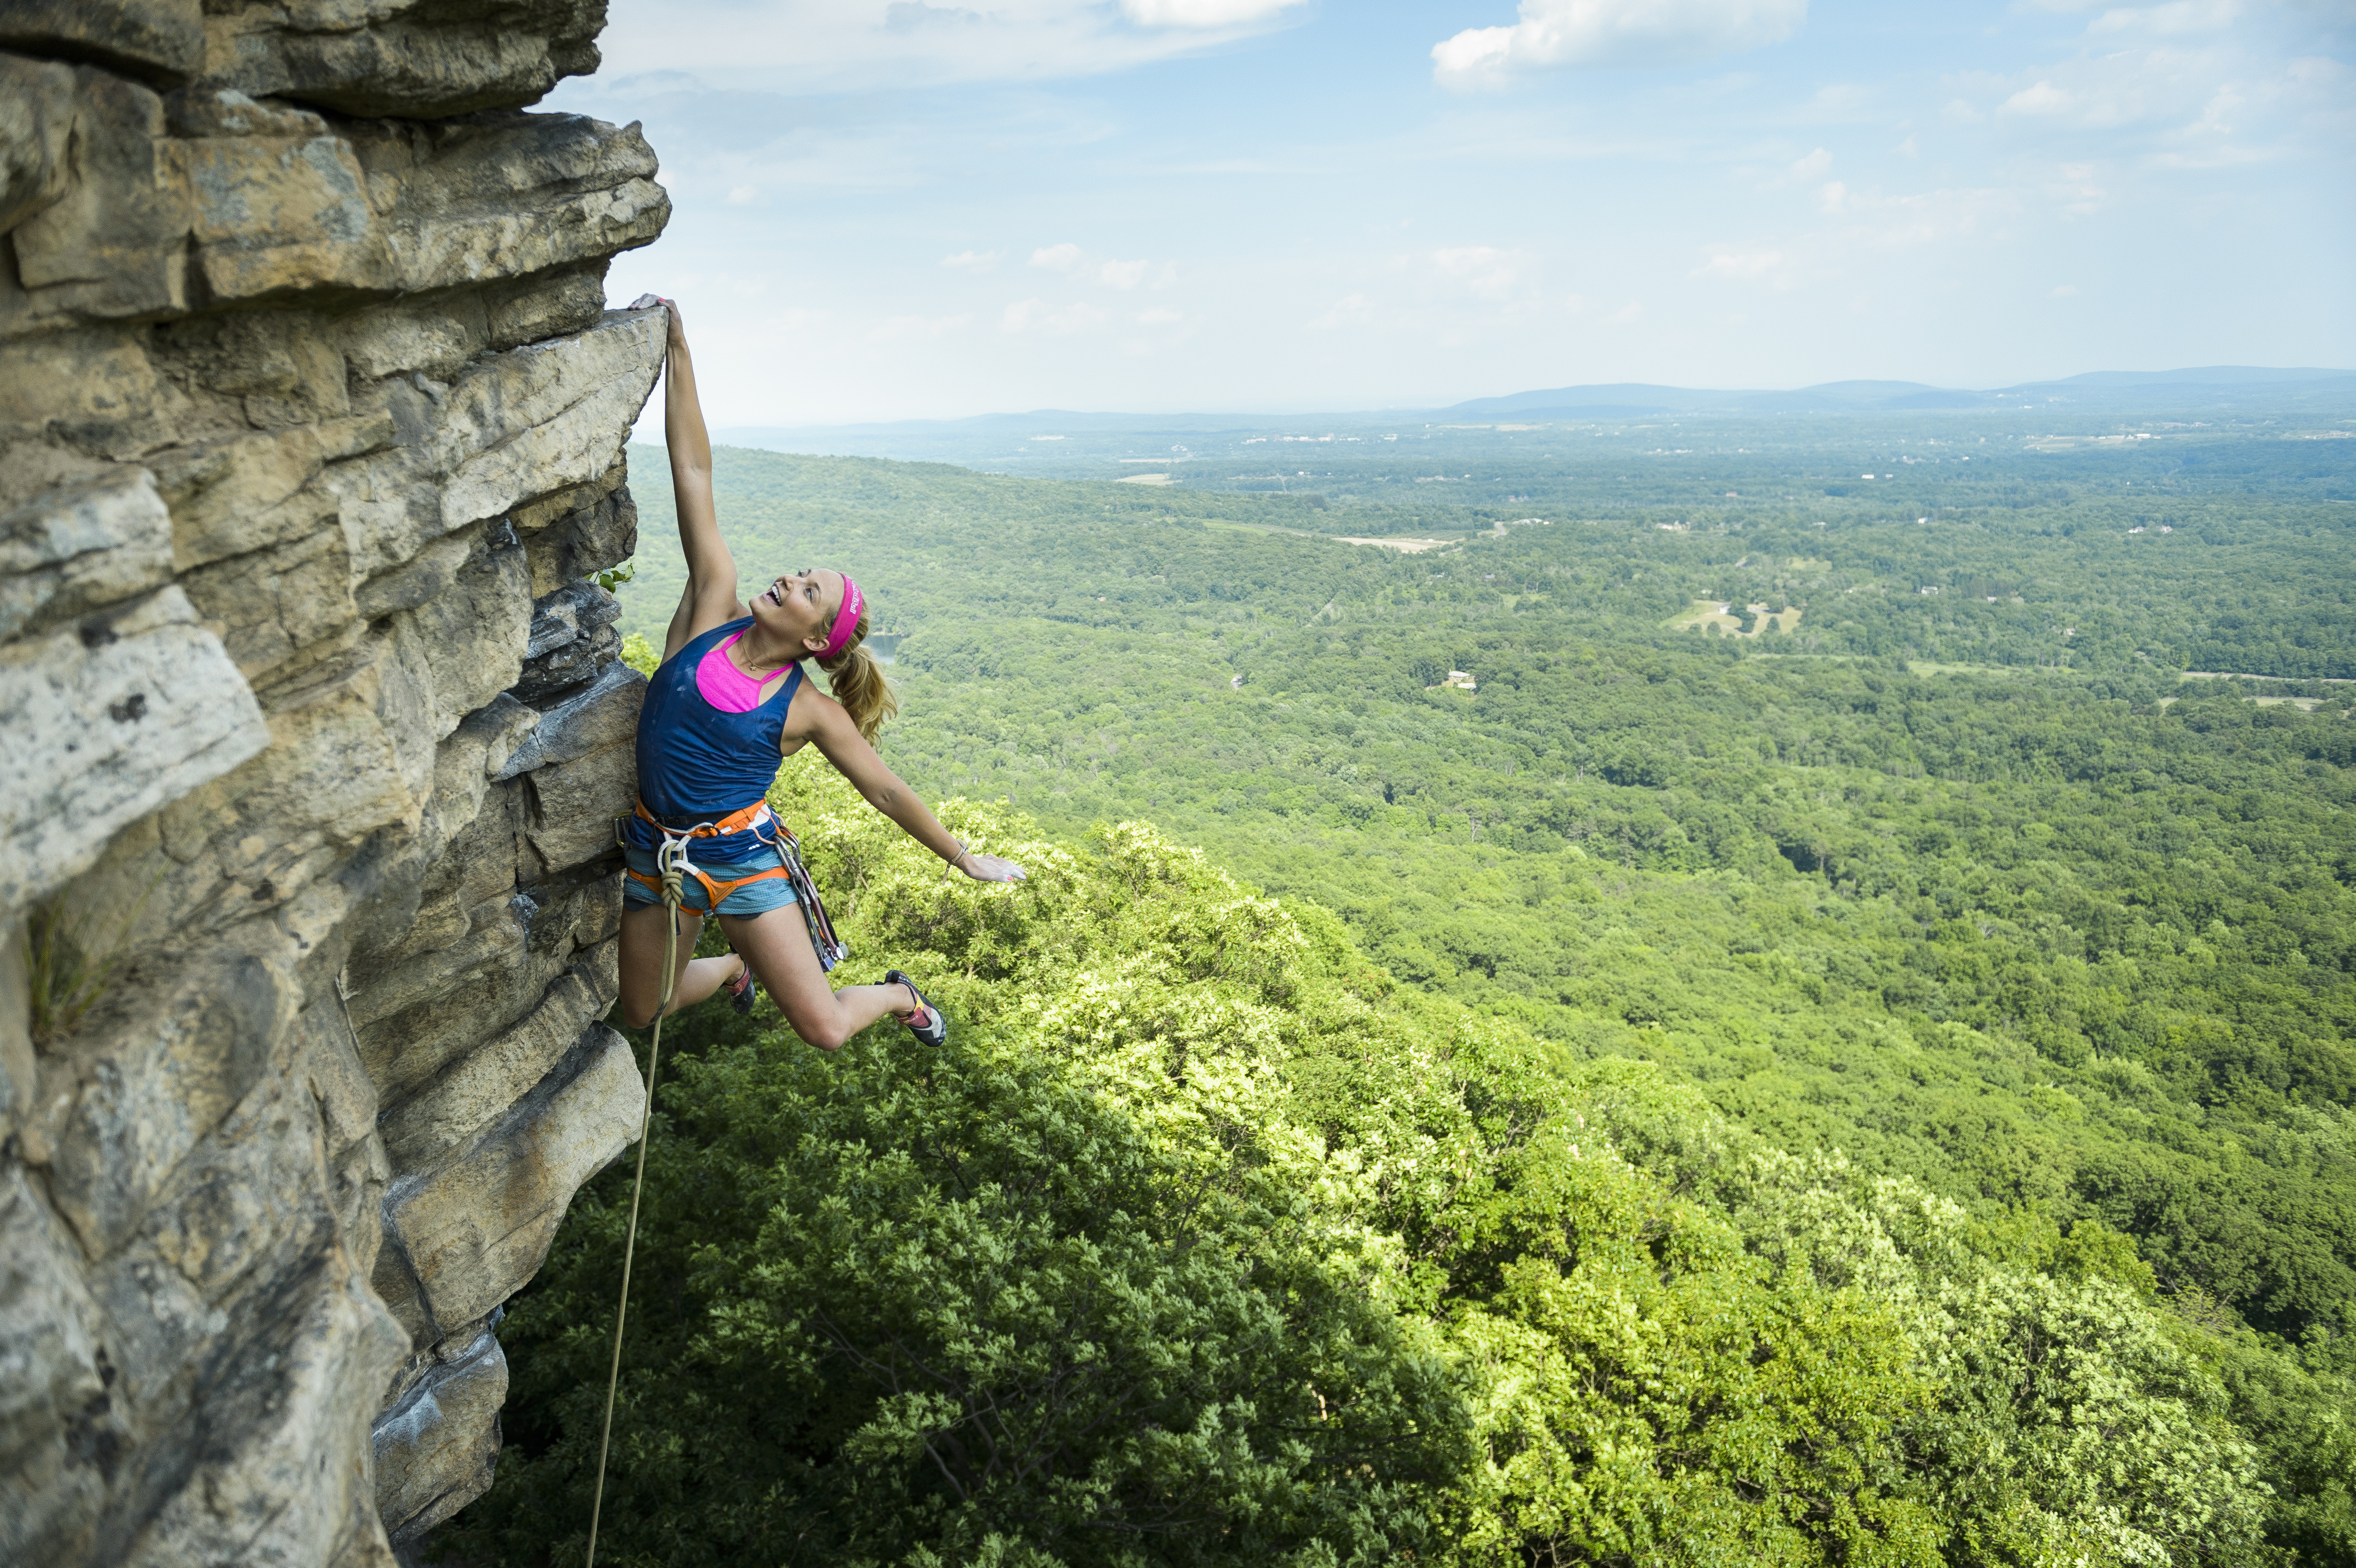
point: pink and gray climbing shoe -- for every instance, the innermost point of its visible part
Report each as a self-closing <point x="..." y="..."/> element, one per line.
<point x="741" y="990"/>
<point x="926" y="1021"/>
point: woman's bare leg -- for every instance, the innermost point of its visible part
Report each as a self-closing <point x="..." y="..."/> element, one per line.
<point x="777" y="946"/>
<point x="642" y="955"/>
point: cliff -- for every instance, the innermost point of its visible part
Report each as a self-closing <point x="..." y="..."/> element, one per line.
<point x="311" y="429"/>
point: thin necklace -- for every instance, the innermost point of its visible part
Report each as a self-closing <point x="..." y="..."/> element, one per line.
<point x="759" y="672"/>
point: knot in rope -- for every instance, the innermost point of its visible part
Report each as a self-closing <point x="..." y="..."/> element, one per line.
<point x="672" y="862"/>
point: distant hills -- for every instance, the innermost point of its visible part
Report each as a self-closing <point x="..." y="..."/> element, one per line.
<point x="2201" y="384"/>
<point x="2223" y="389"/>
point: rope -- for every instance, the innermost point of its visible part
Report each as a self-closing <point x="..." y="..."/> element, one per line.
<point x="673" y="896"/>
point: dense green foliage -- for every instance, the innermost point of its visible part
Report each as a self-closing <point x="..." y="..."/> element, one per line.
<point x="1936" y="989"/>
<point x="1203" y="1244"/>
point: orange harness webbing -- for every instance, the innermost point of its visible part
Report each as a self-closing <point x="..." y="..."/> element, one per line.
<point x="675" y="841"/>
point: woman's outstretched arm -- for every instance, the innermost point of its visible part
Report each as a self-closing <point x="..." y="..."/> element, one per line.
<point x="710" y="595"/>
<point x="841" y="743"/>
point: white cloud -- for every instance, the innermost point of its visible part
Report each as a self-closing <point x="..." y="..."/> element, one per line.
<point x="971" y="260"/>
<point x="1200" y="12"/>
<point x="797" y="318"/>
<point x="1036" y="316"/>
<point x="1160" y="316"/>
<point x="2074" y="190"/>
<point x="2063" y="291"/>
<point x="1351" y="310"/>
<point x="2179" y="16"/>
<point x="1611" y="32"/>
<point x="2044" y="99"/>
<point x="1831" y="196"/>
<point x="1122" y="274"/>
<point x="2314" y="72"/>
<point x="838" y="44"/>
<point x="907" y="15"/>
<point x="1740" y="265"/>
<point x="1925" y="218"/>
<point x="1057" y="257"/>
<point x="1841" y="101"/>
<point x="743" y="196"/>
<point x="1487" y="272"/>
<point x="918" y="328"/>
<point x="2203" y="103"/>
<point x="1812" y="165"/>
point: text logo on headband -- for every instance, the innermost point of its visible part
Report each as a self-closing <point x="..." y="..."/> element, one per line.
<point x="846" y="619"/>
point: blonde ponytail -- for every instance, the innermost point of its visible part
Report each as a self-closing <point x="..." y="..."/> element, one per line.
<point x="857" y="683"/>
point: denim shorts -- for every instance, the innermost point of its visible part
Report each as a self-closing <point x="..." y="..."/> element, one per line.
<point x="752" y="897"/>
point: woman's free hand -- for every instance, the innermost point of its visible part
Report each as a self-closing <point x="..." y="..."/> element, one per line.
<point x="989" y="868"/>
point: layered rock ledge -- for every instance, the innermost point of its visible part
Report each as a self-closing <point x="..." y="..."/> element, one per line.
<point x="311" y="432"/>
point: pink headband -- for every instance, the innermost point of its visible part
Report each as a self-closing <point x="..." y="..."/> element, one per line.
<point x="846" y="619"/>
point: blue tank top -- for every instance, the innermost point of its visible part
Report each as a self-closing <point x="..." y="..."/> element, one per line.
<point x="698" y="764"/>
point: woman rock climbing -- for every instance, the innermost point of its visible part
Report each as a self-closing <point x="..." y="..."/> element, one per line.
<point x="728" y="701"/>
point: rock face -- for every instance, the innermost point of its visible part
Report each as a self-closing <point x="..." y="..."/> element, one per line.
<point x="311" y="426"/>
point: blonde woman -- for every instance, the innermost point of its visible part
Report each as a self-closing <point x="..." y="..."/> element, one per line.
<point x="728" y="702"/>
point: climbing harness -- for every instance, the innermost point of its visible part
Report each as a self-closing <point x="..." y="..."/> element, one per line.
<point x="752" y="819"/>
<point x="674" y="864"/>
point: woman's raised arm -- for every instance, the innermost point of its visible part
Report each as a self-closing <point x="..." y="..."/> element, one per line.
<point x="711" y="596"/>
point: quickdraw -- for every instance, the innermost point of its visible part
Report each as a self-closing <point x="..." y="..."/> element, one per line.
<point x="672" y="862"/>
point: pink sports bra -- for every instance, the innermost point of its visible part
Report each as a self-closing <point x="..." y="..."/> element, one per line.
<point x="724" y="686"/>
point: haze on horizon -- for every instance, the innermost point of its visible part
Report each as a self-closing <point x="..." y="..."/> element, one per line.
<point x="911" y="211"/>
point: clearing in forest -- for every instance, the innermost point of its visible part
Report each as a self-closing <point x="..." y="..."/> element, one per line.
<point x="1722" y="614"/>
<point x="1405" y="545"/>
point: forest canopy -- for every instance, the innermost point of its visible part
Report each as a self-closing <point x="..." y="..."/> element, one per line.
<point x="1776" y="1062"/>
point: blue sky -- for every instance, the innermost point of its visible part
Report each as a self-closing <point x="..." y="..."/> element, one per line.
<point x="890" y="210"/>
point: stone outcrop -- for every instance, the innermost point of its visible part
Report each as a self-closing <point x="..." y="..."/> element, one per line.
<point x="311" y="429"/>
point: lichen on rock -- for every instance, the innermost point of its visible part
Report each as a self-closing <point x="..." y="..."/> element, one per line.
<point x="311" y="435"/>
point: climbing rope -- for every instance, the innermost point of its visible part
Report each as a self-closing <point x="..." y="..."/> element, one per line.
<point x="674" y="864"/>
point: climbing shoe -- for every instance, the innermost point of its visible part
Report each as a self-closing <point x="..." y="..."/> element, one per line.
<point x="741" y="990"/>
<point x="925" y="1022"/>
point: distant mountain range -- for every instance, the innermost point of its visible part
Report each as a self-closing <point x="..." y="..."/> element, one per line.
<point x="2203" y="383"/>
<point x="2205" y="388"/>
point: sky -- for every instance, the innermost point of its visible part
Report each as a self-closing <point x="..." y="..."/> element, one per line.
<point x="888" y="210"/>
